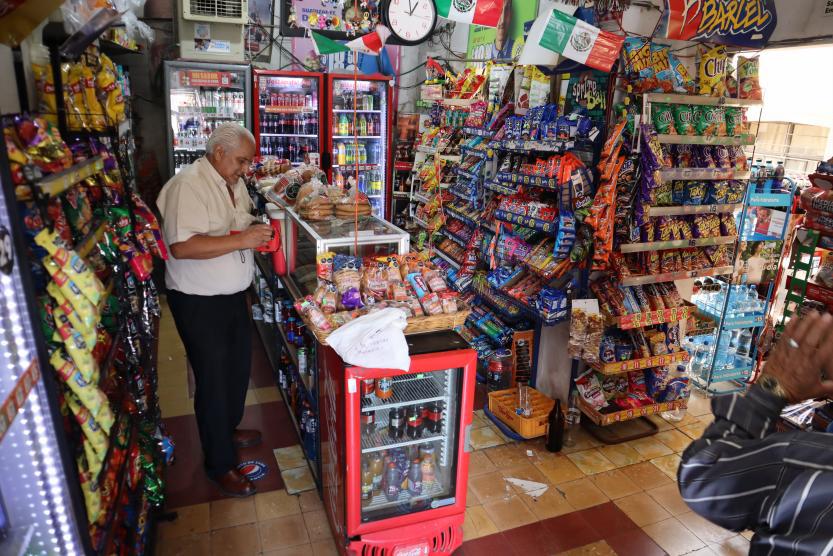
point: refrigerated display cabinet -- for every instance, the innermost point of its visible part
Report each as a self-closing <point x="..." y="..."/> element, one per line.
<point x="395" y="448"/>
<point x="359" y="137"/>
<point x="287" y="120"/>
<point x="198" y="98"/>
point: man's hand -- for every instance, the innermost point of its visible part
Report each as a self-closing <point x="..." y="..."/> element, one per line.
<point x="802" y="360"/>
<point x="255" y="236"/>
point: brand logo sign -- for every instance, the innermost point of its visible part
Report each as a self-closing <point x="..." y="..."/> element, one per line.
<point x="253" y="470"/>
<point x="737" y="22"/>
<point x="463" y="6"/>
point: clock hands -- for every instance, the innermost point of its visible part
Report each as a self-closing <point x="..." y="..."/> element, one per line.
<point x="413" y="8"/>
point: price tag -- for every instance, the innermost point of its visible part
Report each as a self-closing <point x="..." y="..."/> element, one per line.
<point x="712" y="208"/>
<point x="692" y="243"/>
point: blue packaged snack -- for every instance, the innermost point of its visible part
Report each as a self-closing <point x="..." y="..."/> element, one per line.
<point x="607" y="349"/>
<point x="676" y="389"/>
<point x="695" y="193"/>
<point x="624" y="352"/>
<point x="346" y="261"/>
<point x="678" y="192"/>
<point x="656" y="381"/>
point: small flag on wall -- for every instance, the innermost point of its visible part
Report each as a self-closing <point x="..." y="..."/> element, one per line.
<point x="580" y="41"/>
<point x="371" y="43"/>
<point x="474" y="12"/>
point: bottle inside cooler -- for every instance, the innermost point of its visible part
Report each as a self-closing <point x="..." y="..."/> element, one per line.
<point x="408" y="428"/>
<point x="288" y="122"/>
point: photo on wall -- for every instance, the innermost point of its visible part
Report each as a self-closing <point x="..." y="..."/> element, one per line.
<point x="259" y="30"/>
<point x="505" y="41"/>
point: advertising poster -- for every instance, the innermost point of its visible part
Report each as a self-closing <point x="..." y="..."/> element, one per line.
<point x="506" y="40"/>
<point x="259" y="31"/>
<point x="747" y="23"/>
<point x="359" y="16"/>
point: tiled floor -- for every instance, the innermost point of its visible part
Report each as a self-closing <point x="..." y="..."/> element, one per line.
<point x="599" y="500"/>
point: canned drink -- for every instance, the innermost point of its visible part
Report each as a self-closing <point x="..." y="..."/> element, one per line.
<point x="368" y="386"/>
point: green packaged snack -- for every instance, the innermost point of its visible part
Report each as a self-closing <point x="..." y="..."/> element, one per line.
<point x="734" y="120"/>
<point x="684" y="119"/>
<point x="663" y="119"/>
<point x="709" y="120"/>
<point x="663" y="194"/>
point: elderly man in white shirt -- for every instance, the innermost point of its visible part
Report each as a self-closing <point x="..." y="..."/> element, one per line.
<point x="207" y="224"/>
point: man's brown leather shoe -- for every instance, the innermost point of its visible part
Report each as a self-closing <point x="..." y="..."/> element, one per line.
<point x="245" y="438"/>
<point x="232" y="483"/>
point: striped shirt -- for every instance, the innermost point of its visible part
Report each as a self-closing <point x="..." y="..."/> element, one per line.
<point x="743" y="475"/>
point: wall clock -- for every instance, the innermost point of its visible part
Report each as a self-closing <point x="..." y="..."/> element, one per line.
<point x="411" y="21"/>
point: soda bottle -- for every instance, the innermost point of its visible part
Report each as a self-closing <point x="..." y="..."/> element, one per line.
<point x="384" y="388"/>
<point x="421" y="413"/>
<point x="336" y="127"/>
<point x="367" y="481"/>
<point x="555" y="430"/>
<point x="368" y="386"/>
<point x="434" y="418"/>
<point x="342" y="155"/>
<point x="368" y="421"/>
<point x="393" y="482"/>
<point x="428" y="471"/>
<point x="362" y="154"/>
<point x="377" y="466"/>
<point x="344" y="125"/>
<point x="413" y="423"/>
<point x="396" y="423"/>
<point x="362" y="125"/>
<point x="415" y="479"/>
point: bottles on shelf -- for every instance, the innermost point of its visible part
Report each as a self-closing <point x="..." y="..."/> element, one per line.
<point x="289" y="124"/>
<point x="214" y="102"/>
<point x="184" y="158"/>
<point x="308" y="100"/>
<point x="387" y="474"/>
<point x="293" y="149"/>
<point x="365" y="125"/>
<point x="370" y="181"/>
<point x="344" y="101"/>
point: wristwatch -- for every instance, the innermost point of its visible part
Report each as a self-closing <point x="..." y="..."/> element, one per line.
<point x="771" y="385"/>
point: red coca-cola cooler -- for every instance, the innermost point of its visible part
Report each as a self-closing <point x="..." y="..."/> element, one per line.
<point x="395" y="448"/>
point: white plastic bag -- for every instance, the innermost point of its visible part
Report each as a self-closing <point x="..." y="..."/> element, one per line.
<point x="374" y="341"/>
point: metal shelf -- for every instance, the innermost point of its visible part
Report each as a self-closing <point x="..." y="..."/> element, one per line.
<point x="739" y="140"/>
<point x="93" y="238"/>
<point x="288" y="135"/>
<point x="671" y="276"/>
<point x="59" y="182"/>
<point x="380" y="501"/>
<point x="699" y="100"/>
<point x="346" y="137"/>
<point x="668" y="174"/>
<point x="350" y="110"/>
<point x="692" y="209"/>
<point x="421" y="198"/>
<point x="407" y="393"/>
<point x="676" y="244"/>
<point x="380" y="440"/>
<point x="446" y="258"/>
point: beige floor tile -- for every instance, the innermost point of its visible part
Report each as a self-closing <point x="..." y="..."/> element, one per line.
<point x="176" y="408"/>
<point x="509" y="513"/>
<point x="735" y="546"/>
<point x="267" y="394"/>
<point x="615" y="484"/>
<point x="242" y="540"/>
<point x="668" y="465"/>
<point x="490" y="487"/>
<point x="471" y="497"/>
<point x="275" y="503"/>
<point x="673" y="537"/>
<point x="507" y="455"/>
<point x="583" y="441"/>
<point x="290" y="457"/>
<point x="310" y="501"/>
<point x="230" y="512"/>
<point x="661" y="423"/>
<point x="477" y="524"/>
<point x="582" y="493"/>
<point x="559" y="470"/>
<point x="189" y="545"/>
<point x="478" y="419"/>
<point x="674" y="439"/>
<point x="650" y="447"/>
<point x="668" y="497"/>
<point x="299" y="550"/>
<point x="598" y="548"/>
<point x="479" y="463"/>
<point x="688" y="419"/>
<point x="621" y="454"/>
<point x="699" y="404"/>
<point x="642" y="509"/>
<point x="190" y="520"/>
<point x="646" y="475"/>
<point x="694" y="431"/>
<point x="298" y="480"/>
<point x="283" y="532"/>
<point x="318" y="528"/>
<point x="591" y="461"/>
<point x="705" y="551"/>
<point x="526" y="472"/>
<point x="324" y="548"/>
<point x="705" y="530"/>
<point x="485" y="437"/>
<point x="550" y="504"/>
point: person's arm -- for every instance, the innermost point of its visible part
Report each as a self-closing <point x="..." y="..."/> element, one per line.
<point x="736" y="472"/>
<point x="210" y="247"/>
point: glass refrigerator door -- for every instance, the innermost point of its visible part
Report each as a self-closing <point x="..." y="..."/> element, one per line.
<point x="408" y="432"/>
<point x="200" y="100"/>
<point x="288" y="116"/>
<point x="360" y="136"/>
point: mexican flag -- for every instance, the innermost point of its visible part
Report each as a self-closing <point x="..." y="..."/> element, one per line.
<point x="371" y="43"/>
<point x="474" y="12"/>
<point x="580" y="41"/>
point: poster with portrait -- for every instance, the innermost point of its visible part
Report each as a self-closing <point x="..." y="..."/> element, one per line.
<point x="506" y="40"/>
<point x="337" y="19"/>
<point x="258" y="43"/>
<point x="757" y="261"/>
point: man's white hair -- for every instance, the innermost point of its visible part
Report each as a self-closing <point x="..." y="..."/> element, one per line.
<point x="229" y="136"/>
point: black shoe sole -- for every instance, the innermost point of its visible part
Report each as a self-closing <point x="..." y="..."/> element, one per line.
<point x="248" y="444"/>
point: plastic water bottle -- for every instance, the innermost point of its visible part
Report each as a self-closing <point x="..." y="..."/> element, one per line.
<point x="675" y="414"/>
<point x="725" y="352"/>
<point x="745" y="342"/>
<point x="753" y="303"/>
<point x="778" y="176"/>
<point x="702" y="362"/>
<point x="573" y="420"/>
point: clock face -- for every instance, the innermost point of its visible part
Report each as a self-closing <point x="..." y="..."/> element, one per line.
<point x="412" y="20"/>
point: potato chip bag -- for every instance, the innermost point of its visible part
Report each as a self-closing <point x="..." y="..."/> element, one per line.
<point x="683" y="82"/>
<point x="683" y="119"/>
<point x="639" y="64"/>
<point x="712" y="71"/>
<point x="748" y="84"/>
<point x="92" y="494"/>
<point x="710" y="120"/>
<point x="95" y="113"/>
<point x="107" y="82"/>
<point x="45" y="92"/>
<point x="664" y="79"/>
<point x="735" y="120"/>
<point x="663" y="119"/>
<point x="76" y="108"/>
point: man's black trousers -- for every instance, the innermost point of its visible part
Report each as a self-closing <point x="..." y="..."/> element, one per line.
<point x="216" y="331"/>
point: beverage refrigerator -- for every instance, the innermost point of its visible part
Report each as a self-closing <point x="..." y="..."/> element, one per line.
<point x="286" y="115"/>
<point x="395" y="448"/>
<point x="199" y="97"/>
<point x="360" y="133"/>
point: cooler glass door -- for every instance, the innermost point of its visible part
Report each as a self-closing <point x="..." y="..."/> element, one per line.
<point x="287" y="114"/>
<point x="360" y="136"/>
<point x="408" y="462"/>
<point x="201" y="97"/>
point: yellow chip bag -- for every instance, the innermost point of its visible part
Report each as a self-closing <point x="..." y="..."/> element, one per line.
<point x="712" y="71"/>
<point x="91" y="397"/>
<point x="107" y="83"/>
<point x="87" y="312"/>
<point x="92" y="494"/>
<point x="45" y="92"/>
<point x="89" y="335"/>
<point x="92" y="458"/>
<point x="73" y="79"/>
<point x="92" y="432"/>
<point x="96" y="112"/>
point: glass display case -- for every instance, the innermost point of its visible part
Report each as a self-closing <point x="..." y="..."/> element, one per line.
<point x="303" y="241"/>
